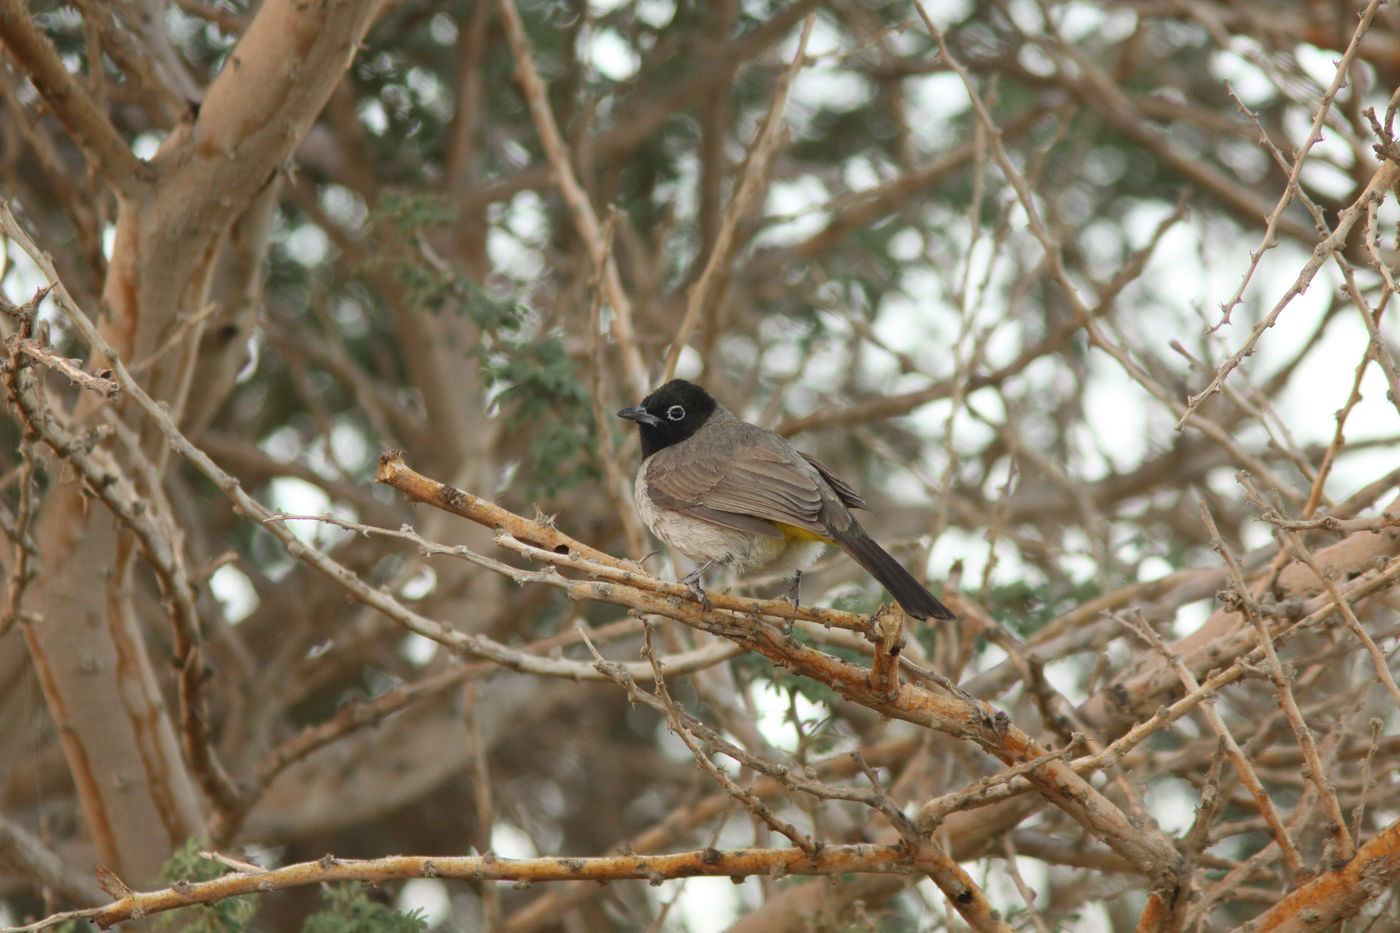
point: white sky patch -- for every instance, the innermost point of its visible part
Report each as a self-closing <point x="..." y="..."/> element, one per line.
<point x="613" y="56"/>
<point x="947" y="13"/>
<point x="1188" y="618"/>
<point x="510" y="842"/>
<point x="298" y="497"/>
<point x="1154" y="567"/>
<point x="655" y="13"/>
<point x="234" y="592"/>
<point x="708" y="905"/>
<point x="824" y="40"/>
<point x="514" y="152"/>
<point x="817" y="89"/>
<point x="428" y="895"/>
<point x="373" y="118"/>
<point x="1172" y="804"/>
<point x="681" y="193"/>
<point x="1251" y="85"/>
<point x="348" y="445"/>
<point x="1034" y="60"/>
<point x="1078" y="562"/>
<point x="933" y="102"/>
<point x="798" y="202"/>
<point x="145" y="145"/>
<point x="688" y="366"/>
<point x="417" y="650"/>
<point x="1318" y="64"/>
<point x="420" y="584"/>
<point x="1090" y="917"/>
<point x="254" y="344"/>
<point x="431" y="94"/>
<point x="1001" y="890"/>
<point x="510" y="258"/>
<point x="1318" y="390"/>
<point x="1082" y="20"/>
<point x="1248" y="162"/>
<point x="1328" y="179"/>
<point x="351" y="317"/>
<point x="1077" y="22"/>
<point x="22" y="278"/>
<point x="307" y="244"/>
<point x="1116" y="411"/>
<point x="670" y="747"/>
<point x="344" y="206"/>
<point x="907" y="245"/>
<point x="524" y="216"/>
<point x="916" y="320"/>
<point x="772" y="705"/>
<point x="283" y="444"/>
<point x="860" y="174"/>
<point x="1066" y="676"/>
<point x="443" y="29"/>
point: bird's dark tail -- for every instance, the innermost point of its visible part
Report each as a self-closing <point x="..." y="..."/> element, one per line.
<point x="912" y="595"/>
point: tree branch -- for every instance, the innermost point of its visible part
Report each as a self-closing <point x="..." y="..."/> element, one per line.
<point x="69" y="101"/>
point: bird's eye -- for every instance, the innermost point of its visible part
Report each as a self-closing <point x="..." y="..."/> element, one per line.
<point x="675" y="413"/>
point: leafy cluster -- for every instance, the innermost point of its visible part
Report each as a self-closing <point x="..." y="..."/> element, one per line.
<point x="347" y="907"/>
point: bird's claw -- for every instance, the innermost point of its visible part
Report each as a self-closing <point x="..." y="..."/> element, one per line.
<point x="792" y="594"/>
<point x="692" y="580"/>
<point x="705" y="603"/>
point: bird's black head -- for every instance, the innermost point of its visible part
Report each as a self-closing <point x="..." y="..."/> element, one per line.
<point x="670" y="414"/>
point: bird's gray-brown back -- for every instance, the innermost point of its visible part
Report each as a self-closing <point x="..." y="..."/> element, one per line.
<point x="730" y="466"/>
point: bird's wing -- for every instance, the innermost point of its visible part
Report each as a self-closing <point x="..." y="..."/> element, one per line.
<point x="751" y="487"/>
<point x="843" y="489"/>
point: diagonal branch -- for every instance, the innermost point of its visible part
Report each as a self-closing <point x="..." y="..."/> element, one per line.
<point x="1327" y="900"/>
<point x="69" y="101"/>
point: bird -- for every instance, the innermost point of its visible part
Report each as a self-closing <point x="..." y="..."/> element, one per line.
<point x="723" y="491"/>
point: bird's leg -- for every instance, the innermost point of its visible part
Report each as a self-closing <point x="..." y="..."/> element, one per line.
<point x="791" y="594"/>
<point x="791" y="597"/>
<point x="692" y="580"/>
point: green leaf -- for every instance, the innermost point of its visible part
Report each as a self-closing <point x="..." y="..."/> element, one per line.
<point x="348" y="910"/>
<point x="230" y="915"/>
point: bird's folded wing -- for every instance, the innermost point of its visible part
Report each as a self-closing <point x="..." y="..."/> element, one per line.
<point x="843" y="489"/>
<point x="745" y="489"/>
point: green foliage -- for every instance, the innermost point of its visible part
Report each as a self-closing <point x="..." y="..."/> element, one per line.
<point x="857" y="601"/>
<point x="348" y="910"/>
<point x="754" y="667"/>
<point x="230" y="915"/>
<point x="1025" y="607"/>
<point x="536" y="387"/>
<point x="433" y="286"/>
<point x="529" y="376"/>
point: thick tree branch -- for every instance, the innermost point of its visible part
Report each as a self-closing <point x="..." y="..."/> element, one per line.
<point x="69" y="101"/>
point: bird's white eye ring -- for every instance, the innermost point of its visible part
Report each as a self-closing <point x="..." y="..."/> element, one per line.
<point x="675" y="413"/>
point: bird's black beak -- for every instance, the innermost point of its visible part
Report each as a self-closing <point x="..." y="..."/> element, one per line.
<point x="640" y="415"/>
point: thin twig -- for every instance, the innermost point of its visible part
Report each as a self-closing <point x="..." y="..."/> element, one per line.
<point x="751" y="183"/>
<point x="580" y="207"/>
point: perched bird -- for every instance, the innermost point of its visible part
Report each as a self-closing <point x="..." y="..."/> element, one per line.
<point x="723" y="491"/>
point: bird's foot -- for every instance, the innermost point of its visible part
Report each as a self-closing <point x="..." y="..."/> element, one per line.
<point x="705" y="604"/>
<point x="792" y="594"/>
<point x="692" y="580"/>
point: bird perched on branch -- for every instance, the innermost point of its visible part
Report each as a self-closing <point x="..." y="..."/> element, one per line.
<point x="723" y="491"/>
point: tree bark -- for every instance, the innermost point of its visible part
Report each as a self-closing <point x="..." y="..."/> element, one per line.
<point x="172" y="237"/>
